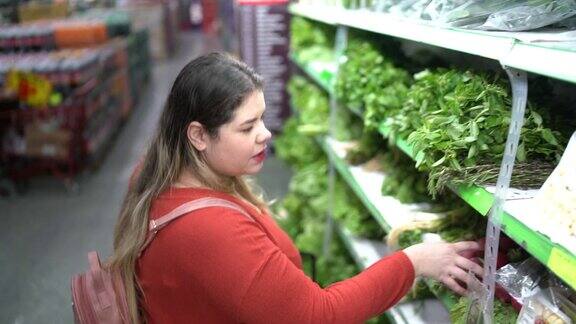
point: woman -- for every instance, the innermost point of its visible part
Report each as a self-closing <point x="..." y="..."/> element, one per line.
<point x="217" y="266"/>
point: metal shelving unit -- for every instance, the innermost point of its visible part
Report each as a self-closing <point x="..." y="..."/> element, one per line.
<point x="541" y="58"/>
<point x="553" y="60"/>
<point x="558" y="259"/>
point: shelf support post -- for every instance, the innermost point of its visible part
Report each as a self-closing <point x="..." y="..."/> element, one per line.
<point x="340" y="44"/>
<point x="482" y="294"/>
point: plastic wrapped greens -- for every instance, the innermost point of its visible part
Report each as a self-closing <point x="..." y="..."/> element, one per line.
<point x="467" y="14"/>
<point x="507" y="15"/>
<point x="532" y="15"/>
<point x="409" y="8"/>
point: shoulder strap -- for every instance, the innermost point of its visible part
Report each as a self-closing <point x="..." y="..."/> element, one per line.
<point x="157" y="224"/>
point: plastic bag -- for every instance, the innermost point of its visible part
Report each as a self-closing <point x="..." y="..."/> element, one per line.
<point x="468" y="14"/>
<point x="568" y="23"/>
<point x="409" y="8"/>
<point x="508" y="15"/>
<point x="436" y="9"/>
<point x="545" y="307"/>
<point x="521" y="280"/>
<point x="532" y="15"/>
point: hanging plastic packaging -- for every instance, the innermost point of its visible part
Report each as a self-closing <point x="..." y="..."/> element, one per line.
<point x="409" y="8"/>
<point x="532" y="15"/>
<point x="467" y="13"/>
<point x="506" y="15"/>
<point x="546" y="306"/>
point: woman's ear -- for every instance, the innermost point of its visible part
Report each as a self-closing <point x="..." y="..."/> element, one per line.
<point x="197" y="135"/>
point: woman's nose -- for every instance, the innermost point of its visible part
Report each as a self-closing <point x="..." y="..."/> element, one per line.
<point x="264" y="136"/>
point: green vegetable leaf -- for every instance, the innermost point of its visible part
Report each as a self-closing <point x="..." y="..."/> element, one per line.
<point x="549" y="137"/>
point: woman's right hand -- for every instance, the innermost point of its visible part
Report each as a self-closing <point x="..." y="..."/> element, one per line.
<point x="444" y="262"/>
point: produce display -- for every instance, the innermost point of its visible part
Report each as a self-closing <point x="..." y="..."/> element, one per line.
<point x="365" y="148"/>
<point x="451" y="126"/>
<point x="368" y="81"/>
<point x="513" y="15"/>
<point x="314" y="111"/>
<point x="302" y="214"/>
<point x="456" y="122"/>
<point x="312" y="42"/>
<point x="503" y="313"/>
<point x="402" y="181"/>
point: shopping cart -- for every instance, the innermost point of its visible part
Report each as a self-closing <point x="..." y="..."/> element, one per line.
<point x="36" y="141"/>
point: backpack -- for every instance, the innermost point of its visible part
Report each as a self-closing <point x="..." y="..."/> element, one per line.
<point x="98" y="295"/>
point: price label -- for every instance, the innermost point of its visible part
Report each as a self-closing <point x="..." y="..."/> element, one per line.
<point x="564" y="265"/>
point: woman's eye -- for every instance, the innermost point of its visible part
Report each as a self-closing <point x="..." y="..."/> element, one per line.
<point x="247" y="130"/>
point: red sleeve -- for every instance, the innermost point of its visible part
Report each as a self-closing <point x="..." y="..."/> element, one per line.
<point x="255" y="282"/>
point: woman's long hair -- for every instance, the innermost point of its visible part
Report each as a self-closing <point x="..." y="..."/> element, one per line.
<point x="208" y="90"/>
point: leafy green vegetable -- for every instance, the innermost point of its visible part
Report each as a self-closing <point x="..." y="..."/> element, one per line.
<point x="312" y="105"/>
<point x="503" y="313"/>
<point x="419" y="291"/>
<point x="402" y="181"/>
<point x="294" y="147"/>
<point x="368" y="80"/>
<point x="312" y="41"/>
<point x="368" y="146"/>
<point x="456" y="120"/>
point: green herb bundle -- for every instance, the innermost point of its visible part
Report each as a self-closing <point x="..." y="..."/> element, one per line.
<point x="311" y="104"/>
<point x="368" y="80"/>
<point x="351" y="213"/>
<point x="458" y="224"/>
<point x="311" y="41"/>
<point x="456" y="120"/>
<point x="503" y="313"/>
<point x="294" y="147"/>
<point x="366" y="148"/>
<point x="402" y="181"/>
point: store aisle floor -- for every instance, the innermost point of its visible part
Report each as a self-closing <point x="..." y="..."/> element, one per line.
<point x="46" y="233"/>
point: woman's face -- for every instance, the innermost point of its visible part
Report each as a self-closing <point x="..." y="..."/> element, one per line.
<point x="240" y="147"/>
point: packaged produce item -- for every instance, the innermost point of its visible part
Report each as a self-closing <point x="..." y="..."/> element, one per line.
<point x="520" y="280"/>
<point x="531" y="15"/>
<point x="545" y="308"/>
<point x="507" y="15"/>
<point x="554" y="207"/>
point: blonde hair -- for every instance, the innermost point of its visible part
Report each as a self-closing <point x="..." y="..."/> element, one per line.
<point x="207" y="90"/>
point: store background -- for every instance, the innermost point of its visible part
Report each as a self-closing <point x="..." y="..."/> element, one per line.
<point x="328" y="194"/>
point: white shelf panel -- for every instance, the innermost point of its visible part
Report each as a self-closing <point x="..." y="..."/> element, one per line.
<point x="365" y="252"/>
<point x="391" y="209"/>
<point x="524" y="50"/>
<point x="325" y="14"/>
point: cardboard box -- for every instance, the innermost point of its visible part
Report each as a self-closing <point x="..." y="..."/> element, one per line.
<point x="36" y="133"/>
<point x="50" y="143"/>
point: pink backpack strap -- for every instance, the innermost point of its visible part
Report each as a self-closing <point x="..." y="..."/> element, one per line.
<point x="158" y="224"/>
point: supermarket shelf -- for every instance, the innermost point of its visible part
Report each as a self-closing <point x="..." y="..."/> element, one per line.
<point x="366" y="185"/>
<point x="366" y="253"/>
<point x="322" y="73"/>
<point x="323" y="14"/>
<point x="388" y="211"/>
<point x="558" y="259"/>
<point x="504" y="47"/>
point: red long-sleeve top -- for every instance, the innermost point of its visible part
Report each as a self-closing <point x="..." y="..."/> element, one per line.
<point x="215" y="265"/>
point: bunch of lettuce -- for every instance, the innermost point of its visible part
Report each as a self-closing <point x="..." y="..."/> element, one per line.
<point x="311" y="41"/>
